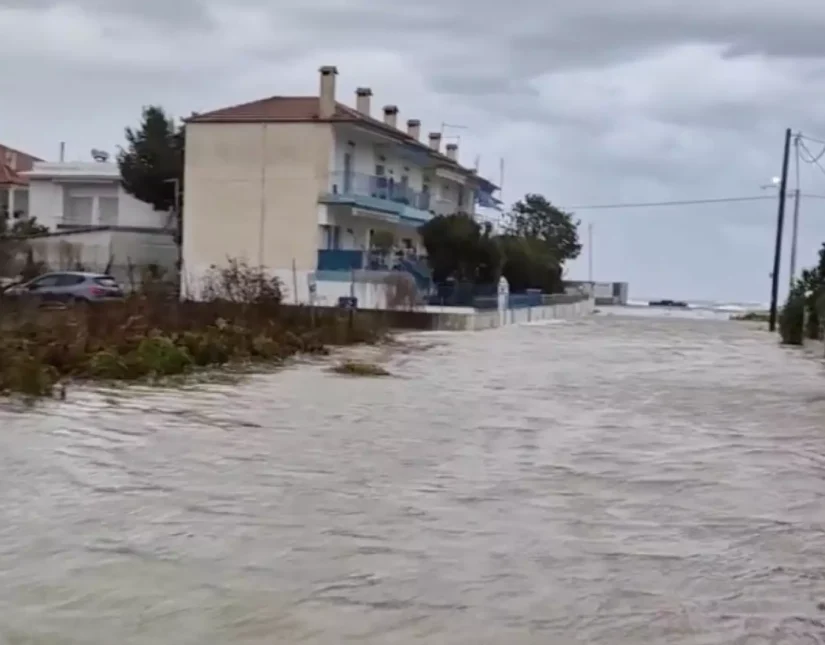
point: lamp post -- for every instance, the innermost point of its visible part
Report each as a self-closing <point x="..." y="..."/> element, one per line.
<point x="590" y="254"/>
<point x="775" y="181"/>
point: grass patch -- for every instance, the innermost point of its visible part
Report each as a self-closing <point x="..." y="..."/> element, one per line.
<point x="359" y="368"/>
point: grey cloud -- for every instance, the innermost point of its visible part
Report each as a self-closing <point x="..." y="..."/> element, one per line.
<point x="589" y="101"/>
<point x="161" y="13"/>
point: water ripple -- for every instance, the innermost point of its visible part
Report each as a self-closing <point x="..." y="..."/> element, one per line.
<point x="604" y="481"/>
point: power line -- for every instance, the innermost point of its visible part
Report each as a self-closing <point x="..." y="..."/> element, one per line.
<point x="811" y="139"/>
<point x="813" y="159"/>
<point x="684" y="202"/>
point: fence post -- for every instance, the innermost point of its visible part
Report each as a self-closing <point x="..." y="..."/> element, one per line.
<point x="295" y="282"/>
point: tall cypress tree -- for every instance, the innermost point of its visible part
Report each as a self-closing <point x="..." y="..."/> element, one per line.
<point x="151" y="164"/>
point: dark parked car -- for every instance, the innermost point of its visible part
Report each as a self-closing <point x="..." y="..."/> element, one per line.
<point x="67" y="287"/>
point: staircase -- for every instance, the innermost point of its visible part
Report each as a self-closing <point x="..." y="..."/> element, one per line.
<point x="419" y="270"/>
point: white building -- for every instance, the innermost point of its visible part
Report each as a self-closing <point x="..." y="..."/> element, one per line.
<point x="94" y="224"/>
<point x="301" y="185"/>
<point x="71" y="195"/>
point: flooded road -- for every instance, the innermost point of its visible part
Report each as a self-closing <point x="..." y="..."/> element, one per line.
<point x="606" y="481"/>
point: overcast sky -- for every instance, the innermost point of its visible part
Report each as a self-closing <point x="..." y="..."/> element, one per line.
<point x="588" y="102"/>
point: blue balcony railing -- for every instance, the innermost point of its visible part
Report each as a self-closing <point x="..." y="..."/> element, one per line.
<point x="379" y="192"/>
<point x="339" y="260"/>
<point x="346" y="261"/>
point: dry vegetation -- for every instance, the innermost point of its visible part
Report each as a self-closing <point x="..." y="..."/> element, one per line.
<point x="359" y="368"/>
<point x="152" y="335"/>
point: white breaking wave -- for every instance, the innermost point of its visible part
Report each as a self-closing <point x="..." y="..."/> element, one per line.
<point x="707" y="305"/>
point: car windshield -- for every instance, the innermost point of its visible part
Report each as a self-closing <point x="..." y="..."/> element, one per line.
<point x="107" y="281"/>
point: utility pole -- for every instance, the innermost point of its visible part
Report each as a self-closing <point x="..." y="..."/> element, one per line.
<point x="590" y="253"/>
<point x="795" y="224"/>
<point x="780" y="225"/>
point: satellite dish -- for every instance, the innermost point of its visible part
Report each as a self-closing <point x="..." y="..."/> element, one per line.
<point x="101" y="156"/>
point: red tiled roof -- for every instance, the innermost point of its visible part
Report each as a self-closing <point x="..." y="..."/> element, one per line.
<point x="301" y="109"/>
<point x="274" y="108"/>
<point x="9" y="177"/>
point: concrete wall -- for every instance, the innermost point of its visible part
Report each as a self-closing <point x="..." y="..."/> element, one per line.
<point x="468" y="319"/>
<point x="252" y="194"/>
<point x="479" y="320"/>
<point x="370" y="295"/>
<point x="125" y="253"/>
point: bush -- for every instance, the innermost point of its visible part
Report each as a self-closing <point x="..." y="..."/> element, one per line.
<point x="241" y="283"/>
<point x="149" y="335"/>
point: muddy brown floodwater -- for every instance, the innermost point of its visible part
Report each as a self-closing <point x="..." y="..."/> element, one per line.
<point x="606" y="481"/>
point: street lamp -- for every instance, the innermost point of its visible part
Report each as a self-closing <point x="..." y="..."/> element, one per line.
<point x="775" y="181"/>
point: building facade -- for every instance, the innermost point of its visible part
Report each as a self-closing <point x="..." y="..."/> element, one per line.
<point x="93" y="223"/>
<point x="305" y="186"/>
<point x="72" y="195"/>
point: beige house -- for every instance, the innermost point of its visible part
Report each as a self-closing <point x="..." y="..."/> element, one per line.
<point x="302" y="184"/>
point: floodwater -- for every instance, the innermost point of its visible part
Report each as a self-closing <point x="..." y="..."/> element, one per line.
<point x="612" y="480"/>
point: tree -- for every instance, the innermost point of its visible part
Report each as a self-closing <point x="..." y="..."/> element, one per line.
<point x="459" y="248"/>
<point x="528" y="264"/>
<point x="151" y="164"/>
<point x="792" y="316"/>
<point x="535" y="217"/>
<point x="812" y="283"/>
<point x="14" y="250"/>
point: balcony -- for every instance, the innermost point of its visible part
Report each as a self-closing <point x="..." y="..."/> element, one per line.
<point x="381" y="194"/>
<point x="340" y="260"/>
<point x="341" y="263"/>
<point x="444" y="207"/>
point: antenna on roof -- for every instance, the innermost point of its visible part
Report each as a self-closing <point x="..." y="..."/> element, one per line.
<point x="101" y="156"/>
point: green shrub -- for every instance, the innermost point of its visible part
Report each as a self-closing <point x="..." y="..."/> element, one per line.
<point x="207" y="348"/>
<point x="160" y="356"/>
<point x="26" y="374"/>
<point x="107" y="364"/>
<point x="792" y="319"/>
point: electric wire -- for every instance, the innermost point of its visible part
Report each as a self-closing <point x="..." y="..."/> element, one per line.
<point x="814" y="160"/>
<point x="681" y="202"/>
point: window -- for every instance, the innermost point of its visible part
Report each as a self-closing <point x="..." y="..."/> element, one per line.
<point x="79" y="210"/>
<point x="107" y="211"/>
<point x="68" y="280"/>
<point x="46" y="281"/>
<point x="87" y="203"/>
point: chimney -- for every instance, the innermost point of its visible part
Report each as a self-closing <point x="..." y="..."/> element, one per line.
<point x="452" y="151"/>
<point x="362" y="100"/>
<point x="414" y="128"/>
<point x="327" y="94"/>
<point x="435" y="140"/>
<point x="391" y="115"/>
<point x="11" y="159"/>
